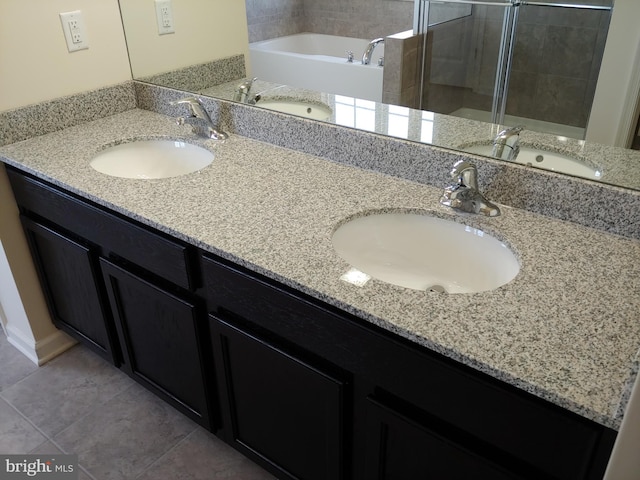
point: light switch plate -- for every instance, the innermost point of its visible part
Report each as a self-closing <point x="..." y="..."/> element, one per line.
<point x="74" y="30"/>
<point x="164" y="17"/>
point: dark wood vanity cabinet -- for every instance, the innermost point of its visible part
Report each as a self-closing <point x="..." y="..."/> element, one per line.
<point x="68" y="269"/>
<point x="279" y="408"/>
<point x="122" y="289"/>
<point x="159" y="333"/>
<point x="406" y="412"/>
<point x="307" y="390"/>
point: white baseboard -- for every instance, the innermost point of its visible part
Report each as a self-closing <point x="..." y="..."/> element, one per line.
<point x="41" y="351"/>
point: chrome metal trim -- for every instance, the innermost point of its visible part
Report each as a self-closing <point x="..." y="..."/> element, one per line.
<point x="567" y="5"/>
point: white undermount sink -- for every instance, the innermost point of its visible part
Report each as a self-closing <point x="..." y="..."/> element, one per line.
<point x="425" y="253"/>
<point x="556" y="162"/>
<point x="315" y="111"/>
<point x="150" y="159"/>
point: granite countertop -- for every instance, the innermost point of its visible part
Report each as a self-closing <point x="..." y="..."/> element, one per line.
<point x="565" y="329"/>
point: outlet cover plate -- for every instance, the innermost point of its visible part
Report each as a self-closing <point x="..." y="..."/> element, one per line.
<point x="164" y="17"/>
<point x="74" y="30"/>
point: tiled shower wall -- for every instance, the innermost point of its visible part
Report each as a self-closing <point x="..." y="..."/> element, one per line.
<point x="556" y="62"/>
<point x="274" y="18"/>
<point x="350" y="18"/>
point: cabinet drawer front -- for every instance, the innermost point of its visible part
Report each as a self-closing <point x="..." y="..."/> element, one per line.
<point x="523" y="426"/>
<point x="155" y="253"/>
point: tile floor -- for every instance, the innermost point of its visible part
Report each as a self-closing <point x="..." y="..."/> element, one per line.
<point x="79" y="404"/>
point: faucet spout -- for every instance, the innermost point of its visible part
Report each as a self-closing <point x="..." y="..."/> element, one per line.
<point x="506" y="145"/>
<point x="464" y="194"/>
<point x="366" y="56"/>
<point x="199" y="119"/>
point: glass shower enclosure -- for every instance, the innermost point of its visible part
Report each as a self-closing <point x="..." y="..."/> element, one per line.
<point x="513" y="62"/>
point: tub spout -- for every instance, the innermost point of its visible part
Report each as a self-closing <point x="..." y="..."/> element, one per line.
<point x="366" y="56"/>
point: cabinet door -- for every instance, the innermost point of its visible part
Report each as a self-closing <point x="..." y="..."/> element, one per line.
<point x="67" y="271"/>
<point x="159" y="334"/>
<point x="399" y="448"/>
<point x="281" y="410"/>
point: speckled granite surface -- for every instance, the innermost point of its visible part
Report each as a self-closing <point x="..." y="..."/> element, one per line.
<point x="60" y="113"/>
<point x="197" y="77"/>
<point x="609" y="208"/>
<point x="566" y="328"/>
<point x="615" y="166"/>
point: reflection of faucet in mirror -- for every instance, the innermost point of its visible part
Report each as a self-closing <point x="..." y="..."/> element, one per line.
<point x="506" y="145"/>
<point x="464" y="195"/>
<point x="366" y="56"/>
<point x="199" y="119"/>
<point x="242" y="92"/>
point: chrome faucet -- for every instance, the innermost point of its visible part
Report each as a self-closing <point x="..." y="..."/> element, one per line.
<point x="366" y="56"/>
<point x="244" y="89"/>
<point x="199" y="119"/>
<point x="465" y="195"/>
<point x="506" y="145"/>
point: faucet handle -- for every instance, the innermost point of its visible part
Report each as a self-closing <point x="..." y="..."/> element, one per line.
<point x="245" y="86"/>
<point x="464" y="194"/>
<point x="199" y="120"/>
<point x="506" y="145"/>
<point x="195" y="106"/>
<point x="509" y="131"/>
<point x="465" y="173"/>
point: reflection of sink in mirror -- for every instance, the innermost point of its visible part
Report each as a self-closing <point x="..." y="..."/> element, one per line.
<point x="301" y="108"/>
<point x="553" y="161"/>
<point x="148" y="159"/>
<point x="425" y="253"/>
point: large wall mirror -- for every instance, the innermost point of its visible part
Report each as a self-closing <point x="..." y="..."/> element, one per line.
<point x="360" y="64"/>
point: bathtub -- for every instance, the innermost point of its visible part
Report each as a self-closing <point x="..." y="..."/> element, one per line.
<point x="319" y="62"/>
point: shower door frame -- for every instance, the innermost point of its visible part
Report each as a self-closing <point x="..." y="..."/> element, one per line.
<point x="507" y="42"/>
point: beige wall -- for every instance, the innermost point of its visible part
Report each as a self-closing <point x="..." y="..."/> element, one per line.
<point x="35" y="64"/>
<point x="205" y="30"/>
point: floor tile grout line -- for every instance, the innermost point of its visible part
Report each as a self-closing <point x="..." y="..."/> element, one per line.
<point x="30" y="422"/>
<point x="90" y="412"/>
<point x="17" y="409"/>
<point x="59" y="447"/>
<point x="86" y="472"/>
<point x="171" y="454"/>
<point x="173" y="447"/>
<point x="50" y="438"/>
<point x="38" y="368"/>
<point x="132" y="385"/>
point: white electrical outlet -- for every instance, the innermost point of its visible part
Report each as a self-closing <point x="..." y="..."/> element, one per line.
<point x="74" y="30"/>
<point x="164" y="16"/>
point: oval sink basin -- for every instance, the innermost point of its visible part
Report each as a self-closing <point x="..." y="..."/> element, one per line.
<point x="556" y="162"/>
<point x="425" y="253"/>
<point x="301" y="108"/>
<point x="148" y="159"/>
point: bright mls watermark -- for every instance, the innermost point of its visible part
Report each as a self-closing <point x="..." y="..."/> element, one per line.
<point x="49" y="467"/>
